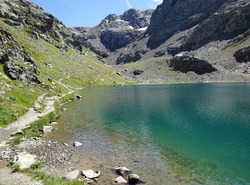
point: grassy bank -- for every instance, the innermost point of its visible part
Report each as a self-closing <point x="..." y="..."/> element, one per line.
<point x="64" y="68"/>
<point x="50" y="180"/>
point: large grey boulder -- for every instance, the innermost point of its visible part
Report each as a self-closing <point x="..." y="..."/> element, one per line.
<point x="24" y="160"/>
<point x="243" y="55"/>
<point x="185" y="64"/>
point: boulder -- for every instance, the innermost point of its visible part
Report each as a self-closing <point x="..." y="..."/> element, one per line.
<point x="122" y="170"/>
<point x="47" y="129"/>
<point x="185" y="64"/>
<point x="77" y="144"/>
<point x="130" y="57"/>
<point x="133" y="178"/>
<point x="78" y="96"/>
<point x="24" y="160"/>
<point x="91" y="174"/>
<point x="88" y="181"/>
<point x="72" y="175"/>
<point x="243" y="55"/>
<point x="137" y="72"/>
<point x="19" y="132"/>
<point x="120" y="179"/>
<point x="53" y="123"/>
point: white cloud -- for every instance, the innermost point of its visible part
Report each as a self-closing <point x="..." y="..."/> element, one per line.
<point x="158" y="1"/>
<point x="128" y="3"/>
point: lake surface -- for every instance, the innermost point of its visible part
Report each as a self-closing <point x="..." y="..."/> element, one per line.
<point x="167" y="134"/>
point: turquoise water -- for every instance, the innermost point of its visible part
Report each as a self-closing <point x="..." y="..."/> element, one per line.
<point x="187" y="132"/>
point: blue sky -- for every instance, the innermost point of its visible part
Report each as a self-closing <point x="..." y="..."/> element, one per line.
<point x="89" y="13"/>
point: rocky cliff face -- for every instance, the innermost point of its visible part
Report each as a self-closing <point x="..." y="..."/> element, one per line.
<point x="214" y="31"/>
<point x="28" y="16"/>
<point x="205" y="20"/>
<point x="115" y="31"/>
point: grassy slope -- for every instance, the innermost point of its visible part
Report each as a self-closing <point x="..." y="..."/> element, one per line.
<point x="156" y="70"/>
<point x="70" y="68"/>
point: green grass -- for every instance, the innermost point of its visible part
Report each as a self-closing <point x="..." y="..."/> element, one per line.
<point x="34" y="129"/>
<point x="15" y="168"/>
<point x="36" y="165"/>
<point x="16" y="141"/>
<point x="68" y="97"/>
<point x="16" y="102"/>
<point x="50" y="180"/>
<point x="71" y="68"/>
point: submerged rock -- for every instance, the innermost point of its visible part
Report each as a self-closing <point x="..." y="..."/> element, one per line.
<point x="133" y="178"/>
<point x="122" y="170"/>
<point x="72" y="175"/>
<point x="47" y="129"/>
<point x="78" y="96"/>
<point x="91" y="174"/>
<point x="53" y="123"/>
<point x="88" y="181"/>
<point x="77" y="144"/>
<point x="120" y="179"/>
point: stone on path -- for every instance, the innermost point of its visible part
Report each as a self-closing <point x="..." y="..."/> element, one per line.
<point x="91" y="174"/>
<point x="72" y="175"/>
<point x="19" y="132"/>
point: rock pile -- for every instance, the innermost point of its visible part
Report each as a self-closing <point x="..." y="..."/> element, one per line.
<point x="126" y="174"/>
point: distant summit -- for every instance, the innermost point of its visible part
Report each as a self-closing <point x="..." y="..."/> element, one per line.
<point x="215" y="32"/>
<point x="115" y="31"/>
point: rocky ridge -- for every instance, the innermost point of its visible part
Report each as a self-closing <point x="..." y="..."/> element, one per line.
<point x="38" y="23"/>
<point x="114" y="31"/>
<point x="205" y="29"/>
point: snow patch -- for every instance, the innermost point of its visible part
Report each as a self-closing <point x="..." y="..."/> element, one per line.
<point x="119" y="20"/>
<point x="181" y="54"/>
<point x="131" y="27"/>
<point x="143" y="29"/>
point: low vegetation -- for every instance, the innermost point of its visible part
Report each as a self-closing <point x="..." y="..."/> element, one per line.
<point x="65" y="69"/>
<point x="50" y="180"/>
<point x="34" y="129"/>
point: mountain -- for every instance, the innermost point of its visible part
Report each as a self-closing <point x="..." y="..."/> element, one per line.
<point x="215" y="32"/>
<point x="180" y="41"/>
<point x="114" y="31"/>
<point x="39" y="55"/>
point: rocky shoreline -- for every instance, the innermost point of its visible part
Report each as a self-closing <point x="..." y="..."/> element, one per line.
<point x="55" y="157"/>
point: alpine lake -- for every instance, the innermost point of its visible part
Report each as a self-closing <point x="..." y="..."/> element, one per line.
<point x="167" y="134"/>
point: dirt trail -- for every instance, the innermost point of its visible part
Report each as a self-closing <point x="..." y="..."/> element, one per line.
<point x="9" y="178"/>
<point x="27" y="118"/>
